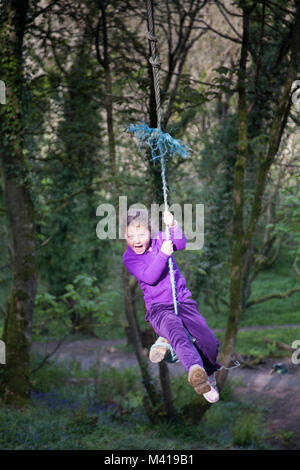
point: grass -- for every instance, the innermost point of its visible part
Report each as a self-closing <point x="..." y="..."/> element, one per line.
<point x="280" y="278"/>
<point x="73" y="408"/>
<point x="288" y="438"/>
<point x="251" y="342"/>
<point x="246" y="431"/>
<point x="108" y="414"/>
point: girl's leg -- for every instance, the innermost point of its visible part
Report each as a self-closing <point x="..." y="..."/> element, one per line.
<point x="169" y="325"/>
<point x="206" y="341"/>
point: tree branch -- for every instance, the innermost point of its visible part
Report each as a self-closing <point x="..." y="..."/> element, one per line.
<point x="220" y="7"/>
<point x="296" y="268"/>
<point x="222" y="35"/>
<point x="48" y="355"/>
<point x="40" y="12"/>
<point x="277" y="295"/>
<point x="97" y="42"/>
<point x="258" y="61"/>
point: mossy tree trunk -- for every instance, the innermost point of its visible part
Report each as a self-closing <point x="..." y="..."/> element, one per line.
<point x="18" y="319"/>
<point x="242" y="236"/>
<point x="236" y="279"/>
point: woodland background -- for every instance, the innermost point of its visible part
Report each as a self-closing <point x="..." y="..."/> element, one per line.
<point x="76" y="74"/>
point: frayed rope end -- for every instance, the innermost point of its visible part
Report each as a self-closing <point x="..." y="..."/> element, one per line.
<point x="160" y="143"/>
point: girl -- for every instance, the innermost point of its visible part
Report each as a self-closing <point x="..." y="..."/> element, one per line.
<point x="146" y="258"/>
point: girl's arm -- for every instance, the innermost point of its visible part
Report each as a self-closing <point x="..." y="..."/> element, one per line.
<point x="148" y="274"/>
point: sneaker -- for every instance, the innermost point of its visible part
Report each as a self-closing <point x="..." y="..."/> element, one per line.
<point x="198" y="379"/>
<point x="213" y="395"/>
<point x="159" y="350"/>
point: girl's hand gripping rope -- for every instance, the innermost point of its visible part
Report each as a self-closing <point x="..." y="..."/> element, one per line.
<point x="168" y="219"/>
<point x="167" y="247"/>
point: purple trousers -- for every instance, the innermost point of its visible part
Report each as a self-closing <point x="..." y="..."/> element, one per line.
<point x="166" y="323"/>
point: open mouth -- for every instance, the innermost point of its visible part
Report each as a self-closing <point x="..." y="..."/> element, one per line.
<point x="138" y="247"/>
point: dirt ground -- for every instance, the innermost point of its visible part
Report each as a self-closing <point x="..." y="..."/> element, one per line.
<point x="259" y="384"/>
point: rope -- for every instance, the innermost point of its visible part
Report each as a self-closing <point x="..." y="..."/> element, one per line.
<point x="155" y="62"/>
<point x="236" y="364"/>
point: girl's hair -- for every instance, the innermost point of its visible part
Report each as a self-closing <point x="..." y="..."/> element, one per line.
<point x="139" y="218"/>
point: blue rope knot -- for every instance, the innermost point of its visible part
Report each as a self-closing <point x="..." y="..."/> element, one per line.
<point x="160" y="143"/>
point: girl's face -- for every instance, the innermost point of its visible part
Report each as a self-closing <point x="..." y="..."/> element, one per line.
<point x="138" y="238"/>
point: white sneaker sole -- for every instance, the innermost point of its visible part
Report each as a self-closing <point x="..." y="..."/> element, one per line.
<point x="198" y="379"/>
<point x="157" y="354"/>
<point x="212" y="396"/>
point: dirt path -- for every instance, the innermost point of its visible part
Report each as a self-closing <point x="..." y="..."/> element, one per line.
<point x="279" y="393"/>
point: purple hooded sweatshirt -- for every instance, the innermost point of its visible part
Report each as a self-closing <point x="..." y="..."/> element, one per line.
<point x="151" y="269"/>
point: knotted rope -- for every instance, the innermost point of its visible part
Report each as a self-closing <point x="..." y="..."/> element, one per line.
<point x="155" y="62"/>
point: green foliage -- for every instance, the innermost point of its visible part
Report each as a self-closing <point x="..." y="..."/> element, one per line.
<point x="32" y="429"/>
<point x="288" y="438"/>
<point x="247" y="431"/>
<point x="94" y="414"/>
<point x="51" y="316"/>
<point x="85" y="297"/>
<point x="279" y="278"/>
<point x="118" y="385"/>
<point x="251" y="342"/>
<point x="82" y="300"/>
<point x="288" y="222"/>
<point x="65" y="147"/>
<point x="48" y="377"/>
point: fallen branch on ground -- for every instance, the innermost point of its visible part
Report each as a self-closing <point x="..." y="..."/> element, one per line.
<point x="279" y="344"/>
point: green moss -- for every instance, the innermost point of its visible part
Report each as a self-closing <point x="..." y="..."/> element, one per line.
<point x="16" y="380"/>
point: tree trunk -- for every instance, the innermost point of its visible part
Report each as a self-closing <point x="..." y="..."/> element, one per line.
<point x="18" y="318"/>
<point x="242" y="238"/>
<point x="166" y="388"/>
